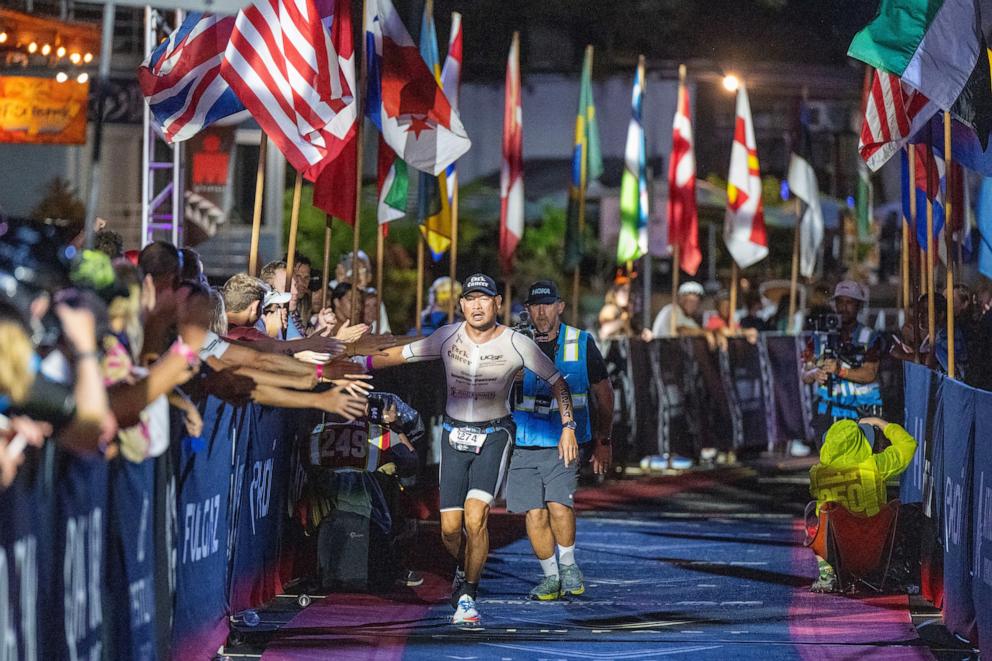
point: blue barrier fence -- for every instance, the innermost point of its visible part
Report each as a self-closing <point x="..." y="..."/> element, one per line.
<point x="951" y="475"/>
<point x="86" y="571"/>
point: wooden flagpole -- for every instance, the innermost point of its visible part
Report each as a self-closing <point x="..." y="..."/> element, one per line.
<point x="256" y="216"/>
<point x="919" y="284"/>
<point x="325" y="274"/>
<point x="453" y="266"/>
<point x="794" y="278"/>
<point x="360" y="149"/>
<point x="507" y="304"/>
<point x="420" y="278"/>
<point x="949" y="261"/>
<point x="294" y="225"/>
<point x="733" y="295"/>
<point x="677" y="248"/>
<point x="380" y="247"/>
<point x="583" y="184"/>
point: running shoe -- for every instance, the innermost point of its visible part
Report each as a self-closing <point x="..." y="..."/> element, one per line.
<point x="410" y="579"/>
<point x="571" y="580"/>
<point x="465" y="613"/>
<point x="548" y="589"/>
<point x="457" y="583"/>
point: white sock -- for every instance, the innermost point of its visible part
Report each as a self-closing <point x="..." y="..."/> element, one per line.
<point x="566" y="554"/>
<point x="549" y="566"/>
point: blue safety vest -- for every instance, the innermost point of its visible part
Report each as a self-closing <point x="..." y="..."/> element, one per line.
<point x="537" y="417"/>
<point x="849" y="396"/>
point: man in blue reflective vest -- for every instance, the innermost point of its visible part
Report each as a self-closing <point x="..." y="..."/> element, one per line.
<point x="541" y="481"/>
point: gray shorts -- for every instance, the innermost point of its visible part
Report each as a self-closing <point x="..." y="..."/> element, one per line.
<point x="537" y="476"/>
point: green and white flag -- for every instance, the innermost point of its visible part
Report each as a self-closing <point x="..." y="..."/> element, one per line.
<point x="394" y="185"/>
<point x="931" y="45"/>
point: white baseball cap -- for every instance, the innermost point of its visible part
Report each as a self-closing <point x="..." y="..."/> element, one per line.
<point x="273" y="297"/>
<point x="691" y="288"/>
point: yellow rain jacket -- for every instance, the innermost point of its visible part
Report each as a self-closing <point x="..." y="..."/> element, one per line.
<point x="850" y="474"/>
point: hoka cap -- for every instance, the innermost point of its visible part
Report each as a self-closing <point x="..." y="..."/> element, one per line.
<point x="542" y="291"/>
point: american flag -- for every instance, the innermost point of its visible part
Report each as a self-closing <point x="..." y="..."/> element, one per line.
<point x="298" y="81"/>
<point x="894" y="112"/>
<point x="181" y="78"/>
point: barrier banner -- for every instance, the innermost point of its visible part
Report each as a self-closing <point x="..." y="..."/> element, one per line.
<point x="677" y="432"/>
<point x="26" y="560"/>
<point x="932" y="547"/>
<point x="261" y="511"/>
<point x="917" y="379"/>
<point x="793" y="403"/>
<point x="981" y="512"/>
<point x="131" y="561"/>
<point x="646" y="398"/>
<point x="708" y="404"/>
<point x="42" y="110"/>
<point x="616" y="354"/>
<point x="957" y="402"/>
<point x="750" y="392"/>
<point x="203" y="508"/>
<point x="80" y="530"/>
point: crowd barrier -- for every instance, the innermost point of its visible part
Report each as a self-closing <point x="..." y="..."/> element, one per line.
<point x="951" y="476"/>
<point x="147" y="560"/>
<point x="680" y="395"/>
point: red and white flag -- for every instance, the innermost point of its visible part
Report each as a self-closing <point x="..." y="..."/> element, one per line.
<point x="298" y="82"/>
<point x="744" y="224"/>
<point x="511" y="193"/>
<point x="683" y="218"/>
<point x="894" y="112"/>
<point x="451" y="82"/>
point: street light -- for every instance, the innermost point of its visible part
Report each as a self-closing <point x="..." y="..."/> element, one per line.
<point x="731" y="82"/>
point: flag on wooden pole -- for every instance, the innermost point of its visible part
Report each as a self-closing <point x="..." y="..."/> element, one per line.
<point x="405" y="101"/>
<point x="744" y="223"/>
<point x="683" y="217"/>
<point x="893" y="113"/>
<point x="633" y="240"/>
<point x="803" y="184"/>
<point x="433" y="206"/>
<point x="393" y="185"/>
<point x="511" y="195"/>
<point x="587" y="164"/>
<point x="297" y="82"/>
<point x="451" y="82"/>
<point x="930" y="44"/>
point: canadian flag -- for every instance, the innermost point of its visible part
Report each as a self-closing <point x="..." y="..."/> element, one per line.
<point x="744" y="224"/>
<point x="511" y="194"/>
<point x="683" y="218"/>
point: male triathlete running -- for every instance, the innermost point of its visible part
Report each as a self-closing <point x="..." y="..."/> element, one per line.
<point x="481" y="358"/>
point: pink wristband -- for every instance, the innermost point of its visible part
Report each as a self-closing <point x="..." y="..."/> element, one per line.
<point x="319" y="369"/>
<point x="180" y="348"/>
<point x="368" y="363"/>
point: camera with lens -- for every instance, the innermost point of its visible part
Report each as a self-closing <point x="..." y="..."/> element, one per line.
<point x="524" y="325"/>
<point x="377" y="409"/>
<point x="823" y="323"/>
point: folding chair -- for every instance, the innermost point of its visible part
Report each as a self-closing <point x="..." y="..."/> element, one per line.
<point x="859" y="548"/>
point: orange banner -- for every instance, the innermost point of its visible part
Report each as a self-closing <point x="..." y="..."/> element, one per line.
<point x="42" y="110"/>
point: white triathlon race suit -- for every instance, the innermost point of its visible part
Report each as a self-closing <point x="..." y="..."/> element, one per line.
<point x="479" y="376"/>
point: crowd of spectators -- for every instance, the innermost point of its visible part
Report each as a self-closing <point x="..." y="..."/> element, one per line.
<point x="97" y="345"/>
